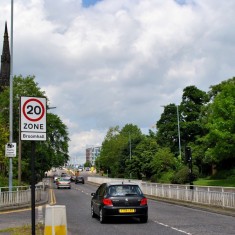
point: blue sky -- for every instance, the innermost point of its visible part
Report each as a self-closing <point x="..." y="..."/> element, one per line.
<point x="87" y="3"/>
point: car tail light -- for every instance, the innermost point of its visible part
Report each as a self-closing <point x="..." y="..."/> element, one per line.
<point x="107" y="202"/>
<point x="143" y="201"/>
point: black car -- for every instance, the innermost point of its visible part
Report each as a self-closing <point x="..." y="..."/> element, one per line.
<point x="79" y="179"/>
<point x="119" y="200"/>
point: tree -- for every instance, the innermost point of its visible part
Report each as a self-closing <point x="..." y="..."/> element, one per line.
<point x="144" y="153"/>
<point x="3" y="140"/>
<point x="193" y="100"/>
<point x="117" y="150"/>
<point x="163" y="162"/>
<point x="167" y="129"/>
<point x="221" y="125"/>
<point x="109" y="153"/>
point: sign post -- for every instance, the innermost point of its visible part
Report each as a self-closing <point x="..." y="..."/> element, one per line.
<point x="33" y="128"/>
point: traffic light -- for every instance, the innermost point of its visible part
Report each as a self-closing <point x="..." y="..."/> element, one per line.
<point x="188" y="154"/>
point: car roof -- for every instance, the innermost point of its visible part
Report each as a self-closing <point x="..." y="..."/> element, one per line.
<point x="121" y="183"/>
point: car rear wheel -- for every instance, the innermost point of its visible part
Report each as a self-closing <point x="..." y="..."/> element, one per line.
<point x="102" y="218"/>
<point x="144" y="219"/>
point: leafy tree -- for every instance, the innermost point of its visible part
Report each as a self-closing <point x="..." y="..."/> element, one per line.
<point x="108" y="159"/>
<point x="193" y="100"/>
<point x="87" y="164"/>
<point x="144" y="153"/>
<point x="4" y="134"/>
<point x="163" y="161"/>
<point x="117" y="151"/>
<point x="221" y="125"/>
<point x="167" y="129"/>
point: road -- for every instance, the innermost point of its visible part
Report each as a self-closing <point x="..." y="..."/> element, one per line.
<point x="164" y="218"/>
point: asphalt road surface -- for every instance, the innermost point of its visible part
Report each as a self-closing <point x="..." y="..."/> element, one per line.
<point x="164" y="218"/>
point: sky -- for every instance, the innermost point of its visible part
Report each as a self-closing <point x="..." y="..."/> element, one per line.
<point x="115" y="62"/>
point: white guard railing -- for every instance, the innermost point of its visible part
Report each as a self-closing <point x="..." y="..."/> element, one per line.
<point x="213" y="196"/>
<point x="18" y="196"/>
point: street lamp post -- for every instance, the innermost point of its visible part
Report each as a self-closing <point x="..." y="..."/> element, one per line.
<point x="11" y="100"/>
<point x="178" y="121"/>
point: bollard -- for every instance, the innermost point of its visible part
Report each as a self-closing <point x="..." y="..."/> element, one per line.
<point x="55" y="220"/>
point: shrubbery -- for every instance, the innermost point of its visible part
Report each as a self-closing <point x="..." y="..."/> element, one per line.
<point x="182" y="176"/>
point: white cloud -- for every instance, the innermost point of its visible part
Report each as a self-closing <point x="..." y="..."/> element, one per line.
<point x="117" y="62"/>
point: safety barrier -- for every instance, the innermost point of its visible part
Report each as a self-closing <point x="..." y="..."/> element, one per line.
<point x="213" y="196"/>
<point x="55" y="220"/>
<point x="19" y="195"/>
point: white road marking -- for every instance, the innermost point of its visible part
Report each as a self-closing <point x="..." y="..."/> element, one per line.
<point x="179" y="230"/>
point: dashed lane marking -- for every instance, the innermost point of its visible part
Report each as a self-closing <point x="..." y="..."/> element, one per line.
<point x="166" y="225"/>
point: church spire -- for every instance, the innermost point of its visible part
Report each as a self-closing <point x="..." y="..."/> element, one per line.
<point x="5" y="61"/>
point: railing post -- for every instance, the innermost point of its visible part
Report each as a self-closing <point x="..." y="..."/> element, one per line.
<point x="17" y="195"/>
<point x="209" y="195"/>
<point x="177" y="192"/>
<point x="223" y="197"/>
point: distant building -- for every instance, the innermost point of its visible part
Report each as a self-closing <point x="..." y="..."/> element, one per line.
<point x="92" y="152"/>
<point x="5" y="62"/>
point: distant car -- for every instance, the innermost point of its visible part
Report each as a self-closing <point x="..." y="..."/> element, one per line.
<point x="63" y="174"/>
<point x="63" y="182"/>
<point x="73" y="177"/>
<point x="119" y="200"/>
<point x="79" y="179"/>
<point x="87" y="168"/>
<point x="80" y="169"/>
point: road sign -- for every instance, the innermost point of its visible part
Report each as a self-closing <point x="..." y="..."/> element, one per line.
<point x="33" y="118"/>
<point x="10" y="150"/>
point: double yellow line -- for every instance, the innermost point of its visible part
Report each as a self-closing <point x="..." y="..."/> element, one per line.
<point x="52" y="199"/>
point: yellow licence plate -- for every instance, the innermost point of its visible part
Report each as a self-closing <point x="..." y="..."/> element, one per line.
<point x="126" y="210"/>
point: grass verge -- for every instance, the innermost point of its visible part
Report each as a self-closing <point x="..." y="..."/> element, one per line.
<point x="24" y="230"/>
<point x="230" y="182"/>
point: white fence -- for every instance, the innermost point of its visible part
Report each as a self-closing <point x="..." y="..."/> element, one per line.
<point x="213" y="196"/>
<point x="18" y="196"/>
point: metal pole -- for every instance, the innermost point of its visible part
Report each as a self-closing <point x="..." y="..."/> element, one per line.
<point x="178" y="120"/>
<point x="19" y="150"/>
<point x="11" y="99"/>
<point x="33" y="186"/>
<point x="130" y="149"/>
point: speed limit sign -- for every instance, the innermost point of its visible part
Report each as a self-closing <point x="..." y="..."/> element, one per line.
<point x="33" y="118"/>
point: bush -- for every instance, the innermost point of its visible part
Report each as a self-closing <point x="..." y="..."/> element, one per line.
<point x="182" y="176"/>
<point x="166" y="177"/>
